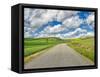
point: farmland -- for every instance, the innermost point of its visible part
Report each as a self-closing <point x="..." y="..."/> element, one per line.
<point x="84" y="46"/>
<point x="34" y="45"/>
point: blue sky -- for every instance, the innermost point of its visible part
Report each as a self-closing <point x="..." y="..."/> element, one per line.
<point x="58" y="23"/>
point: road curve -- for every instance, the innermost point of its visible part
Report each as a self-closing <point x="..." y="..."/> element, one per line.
<point x="60" y="55"/>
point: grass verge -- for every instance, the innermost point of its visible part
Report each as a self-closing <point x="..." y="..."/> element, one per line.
<point x="84" y="46"/>
<point x="33" y="46"/>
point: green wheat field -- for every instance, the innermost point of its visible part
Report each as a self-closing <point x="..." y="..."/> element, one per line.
<point x="84" y="46"/>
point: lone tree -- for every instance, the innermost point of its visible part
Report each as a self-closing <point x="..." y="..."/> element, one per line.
<point x="47" y="40"/>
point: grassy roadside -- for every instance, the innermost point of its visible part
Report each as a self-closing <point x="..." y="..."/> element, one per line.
<point x="35" y="49"/>
<point x="84" y="46"/>
<point x="32" y="46"/>
<point x="29" y="58"/>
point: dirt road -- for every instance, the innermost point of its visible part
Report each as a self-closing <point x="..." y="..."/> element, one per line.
<point x="58" y="56"/>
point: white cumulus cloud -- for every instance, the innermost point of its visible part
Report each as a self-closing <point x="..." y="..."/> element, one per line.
<point x="72" y="22"/>
<point x="36" y="18"/>
<point x="90" y="19"/>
